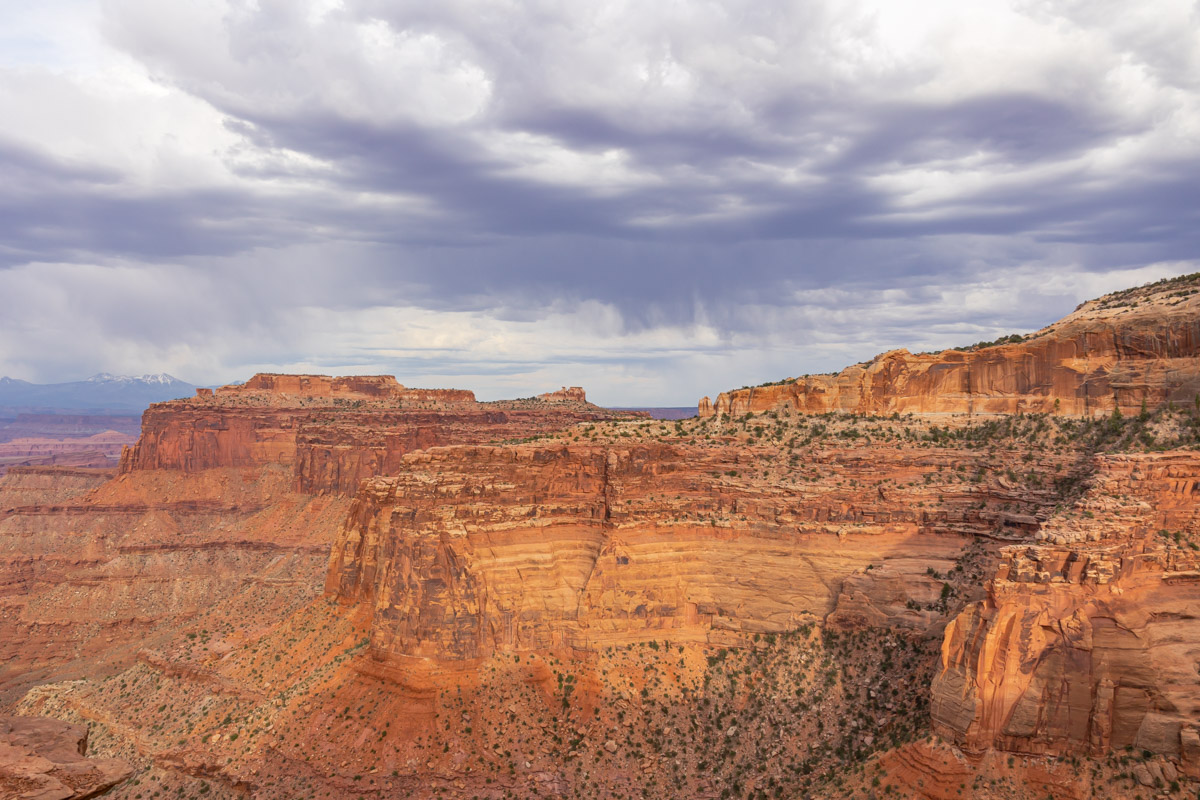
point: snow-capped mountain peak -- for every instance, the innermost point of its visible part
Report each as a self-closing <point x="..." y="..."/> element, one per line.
<point x="161" y="379"/>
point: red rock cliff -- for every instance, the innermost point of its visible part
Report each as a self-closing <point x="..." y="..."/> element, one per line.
<point x="470" y="550"/>
<point x="1089" y="644"/>
<point x="333" y="432"/>
<point x="1119" y="351"/>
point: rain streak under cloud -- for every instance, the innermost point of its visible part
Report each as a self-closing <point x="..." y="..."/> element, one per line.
<point x="653" y="200"/>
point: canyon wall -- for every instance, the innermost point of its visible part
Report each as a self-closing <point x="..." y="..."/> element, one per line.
<point x="93" y="568"/>
<point x="470" y="550"/>
<point x="1117" y="352"/>
<point x="472" y="543"/>
<point x="228" y="500"/>
<point x="1091" y="642"/>
<point x="334" y="432"/>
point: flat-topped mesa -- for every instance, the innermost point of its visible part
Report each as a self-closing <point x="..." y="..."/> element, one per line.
<point x="334" y="431"/>
<point x="1117" y="352"/>
<point x="353" y="386"/>
<point x="1090" y="644"/>
<point x="305" y="390"/>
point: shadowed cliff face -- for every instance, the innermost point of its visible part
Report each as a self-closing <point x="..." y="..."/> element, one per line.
<point x="1091" y="644"/>
<point x="1119" y="351"/>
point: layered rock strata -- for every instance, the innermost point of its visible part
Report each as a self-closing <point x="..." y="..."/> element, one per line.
<point x="92" y="569"/>
<point x="229" y="500"/>
<point x="66" y="426"/>
<point x="1090" y="643"/>
<point x="101" y="450"/>
<point x="470" y="550"/>
<point x="1118" y="352"/>
<point x="334" y="432"/>
<point x="627" y="600"/>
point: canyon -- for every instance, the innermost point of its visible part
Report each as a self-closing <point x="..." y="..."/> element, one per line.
<point x="969" y="573"/>
<point x="77" y="440"/>
<point x="229" y="495"/>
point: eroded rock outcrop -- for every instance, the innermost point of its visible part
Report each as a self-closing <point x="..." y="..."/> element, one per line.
<point x="334" y="432"/>
<point x="45" y="759"/>
<point x="567" y="394"/>
<point x="1120" y="351"/>
<point x="230" y="500"/>
<point x="1090" y="644"/>
<point x="469" y="550"/>
<point x="93" y="568"/>
<point x="623" y="608"/>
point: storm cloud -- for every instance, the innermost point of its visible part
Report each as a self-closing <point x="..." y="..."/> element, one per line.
<point x="654" y="200"/>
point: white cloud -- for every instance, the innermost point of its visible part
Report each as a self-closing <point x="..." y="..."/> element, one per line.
<point x="129" y="318"/>
<point x="668" y="198"/>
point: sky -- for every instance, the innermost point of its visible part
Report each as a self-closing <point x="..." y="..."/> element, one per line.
<point x="656" y="201"/>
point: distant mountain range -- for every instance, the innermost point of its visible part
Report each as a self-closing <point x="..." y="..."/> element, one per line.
<point x="99" y="392"/>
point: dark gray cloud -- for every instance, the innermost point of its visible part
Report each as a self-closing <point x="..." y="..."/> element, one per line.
<point x="470" y="190"/>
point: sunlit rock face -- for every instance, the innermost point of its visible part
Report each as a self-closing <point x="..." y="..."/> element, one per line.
<point x="229" y="499"/>
<point x="307" y="586"/>
<point x="1092" y="643"/>
<point x="335" y="432"/>
<point x="1118" y="352"/>
<point x="470" y="550"/>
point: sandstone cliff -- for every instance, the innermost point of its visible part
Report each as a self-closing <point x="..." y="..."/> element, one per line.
<point x="334" y="432"/>
<point x="518" y="605"/>
<point x="1089" y="644"/>
<point x="229" y="500"/>
<point x="470" y="550"/>
<point x="1120" y="351"/>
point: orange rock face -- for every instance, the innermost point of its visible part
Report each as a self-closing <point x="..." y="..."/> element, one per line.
<point x="1116" y="352"/>
<point x="334" y="432"/>
<point x="228" y="499"/>
<point x="322" y="587"/>
<point x="44" y="759"/>
<point x="94" y="567"/>
<point x="471" y="550"/>
<point x="1090" y="644"/>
